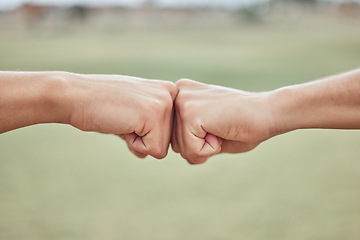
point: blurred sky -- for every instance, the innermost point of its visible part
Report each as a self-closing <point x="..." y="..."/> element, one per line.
<point x="10" y="4"/>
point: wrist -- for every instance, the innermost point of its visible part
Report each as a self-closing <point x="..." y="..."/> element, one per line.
<point x="296" y="107"/>
<point x="28" y="98"/>
<point x="57" y="97"/>
<point x="287" y="109"/>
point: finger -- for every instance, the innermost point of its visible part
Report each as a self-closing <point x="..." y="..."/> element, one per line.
<point x="157" y="141"/>
<point x="174" y="140"/>
<point x="173" y="90"/>
<point x="135" y="142"/>
<point x="213" y="142"/>
<point x="167" y="127"/>
<point x="149" y="144"/>
<point x="200" y="147"/>
<point x="138" y="154"/>
<point x="198" y="161"/>
<point x="169" y="86"/>
<point x="186" y="83"/>
<point x="180" y="131"/>
<point x="179" y="135"/>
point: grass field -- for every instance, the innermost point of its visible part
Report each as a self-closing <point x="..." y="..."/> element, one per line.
<point x="59" y="183"/>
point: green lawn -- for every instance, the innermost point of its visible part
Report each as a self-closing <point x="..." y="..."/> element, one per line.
<point x="59" y="183"/>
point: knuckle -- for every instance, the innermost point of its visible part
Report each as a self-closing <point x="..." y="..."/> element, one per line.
<point x="184" y="156"/>
<point x="193" y="158"/>
<point x="183" y="82"/>
<point x="170" y="86"/>
<point x="158" y="107"/>
<point x="195" y="155"/>
<point x="164" y="102"/>
<point x="179" y="101"/>
<point x="173" y="87"/>
<point x="197" y="161"/>
<point x="157" y="152"/>
<point x="182" y="106"/>
<point x="169" y="104"/>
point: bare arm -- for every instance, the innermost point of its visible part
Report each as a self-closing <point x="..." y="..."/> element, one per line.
<point x="332" y="102"/>
<point x="138" y="110"/>
<point x="31" y="98"/>
<point x="212" y="119"/>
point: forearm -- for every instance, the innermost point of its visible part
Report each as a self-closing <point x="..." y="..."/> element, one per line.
<point x="29" y="98"/>
<point x="333" y="102"/>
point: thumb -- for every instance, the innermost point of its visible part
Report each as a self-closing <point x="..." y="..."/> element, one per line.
<point x="149" y="144"/>
<point x="200" y="149"/>
<point x="135" y="143"/>
<point x="212" y="145"/>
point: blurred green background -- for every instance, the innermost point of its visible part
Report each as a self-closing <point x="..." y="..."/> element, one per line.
<point x="59" y="183"/>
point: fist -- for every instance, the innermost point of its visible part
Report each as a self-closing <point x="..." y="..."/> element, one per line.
<point x="138" y="110"/>
<point x="212" y="119"/>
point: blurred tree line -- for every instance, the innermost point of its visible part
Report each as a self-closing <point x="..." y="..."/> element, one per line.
<point x="299" y="1"/>
<point x="254" y="12"/>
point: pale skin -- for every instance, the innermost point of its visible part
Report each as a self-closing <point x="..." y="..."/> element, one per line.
<point x="212" y="119"/>
<point x="138" y="110"/>
<point x="208" y="119"/>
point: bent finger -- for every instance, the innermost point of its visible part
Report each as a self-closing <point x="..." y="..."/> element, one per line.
<point x="201" y="147"/>
<point x="149" y="144"/>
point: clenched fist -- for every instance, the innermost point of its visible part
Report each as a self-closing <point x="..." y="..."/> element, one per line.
<point x="212" y="119"/>
<point x="208" y="119"/>
<point x="138" y="110"/>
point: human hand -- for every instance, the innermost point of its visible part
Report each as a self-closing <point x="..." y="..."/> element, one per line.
<point x="209" y="119"/>
<point x="138" y="110"/>
<point x="212" y="119"/>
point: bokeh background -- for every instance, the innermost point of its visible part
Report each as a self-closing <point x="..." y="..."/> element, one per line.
<point x="57" y="182"/>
